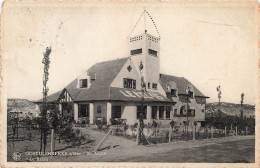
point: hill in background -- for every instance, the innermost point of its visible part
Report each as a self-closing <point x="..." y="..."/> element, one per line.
<point x="20" y="105"/>
<point x="230" y="109"/>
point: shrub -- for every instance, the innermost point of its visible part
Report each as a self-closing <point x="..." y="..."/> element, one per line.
<point x="101" y="123"/>
<point x="154" y="124"/>
<point x="172" y="124"/>
<point x="112" y="121"/>
<point x="133" y="128"/>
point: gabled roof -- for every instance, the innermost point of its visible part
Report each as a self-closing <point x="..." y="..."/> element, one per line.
<point x="181" y="82"/>
<point x="105" y="72"/>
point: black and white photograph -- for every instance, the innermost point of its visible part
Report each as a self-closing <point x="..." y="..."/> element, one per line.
<point x="166" y="82"/>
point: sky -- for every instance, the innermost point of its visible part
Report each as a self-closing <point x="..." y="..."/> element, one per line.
<point x="208" y="44"/>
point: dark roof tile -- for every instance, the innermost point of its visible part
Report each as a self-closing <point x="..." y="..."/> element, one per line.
<point x="106" y="72"/>
<point x="181" y="82"/>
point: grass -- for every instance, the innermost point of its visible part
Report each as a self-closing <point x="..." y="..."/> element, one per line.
<point x="23" y="144"/>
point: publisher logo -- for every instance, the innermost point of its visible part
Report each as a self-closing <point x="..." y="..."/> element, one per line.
<point x="17" y="156"/>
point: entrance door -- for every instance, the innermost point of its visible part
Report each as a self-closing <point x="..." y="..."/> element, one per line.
<point x="83" y="110"/>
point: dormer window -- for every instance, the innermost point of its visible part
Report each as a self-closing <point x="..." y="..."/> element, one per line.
<point x="83" y="83"/>
<point x="154" y="86"/>
<point x="191" y="94"/>
<point x="152" y="52"/>
<point x="137" y="51"/>
<point x="173" y="92"/>
<point x="129" y="83"/>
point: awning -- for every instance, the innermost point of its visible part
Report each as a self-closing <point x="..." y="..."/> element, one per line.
<point x="122" y="94"/>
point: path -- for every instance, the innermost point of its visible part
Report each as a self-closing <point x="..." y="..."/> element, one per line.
<point x="230" y="149"/>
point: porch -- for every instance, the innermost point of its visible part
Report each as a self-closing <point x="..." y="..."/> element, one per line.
<point x="129" y="112"/>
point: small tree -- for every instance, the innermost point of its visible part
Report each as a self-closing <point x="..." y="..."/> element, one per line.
<point x="219" y="97"/>
<point x="242" y="101"/>
<point x="195" y="125"/>
<point x="28" y="123"/>
<point x="43" y="124"/>
<point x="155" y="125"/>
<point x="125" y="127"/>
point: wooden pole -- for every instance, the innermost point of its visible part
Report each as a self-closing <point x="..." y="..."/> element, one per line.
<point x="101" y="142"/>
<point x="211" y="131"/>
<point x="225" y="131"/>
<point x="193" y="133"/>
<point x="170" y="134"/>
<point x="138" y="134"/>
<point x="52" y="141"/>
<point x="246" y="130"/>
<point x="236" y="130"/>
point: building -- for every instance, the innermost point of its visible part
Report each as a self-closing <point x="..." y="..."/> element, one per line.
<point x="112" y="89"/>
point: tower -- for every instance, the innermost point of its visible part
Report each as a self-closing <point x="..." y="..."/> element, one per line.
<point x="145" y="48"/>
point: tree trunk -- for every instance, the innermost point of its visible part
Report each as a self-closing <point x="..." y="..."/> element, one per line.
<point x="193" y="132"/>
<point x="211" y="131"/>
<point x="41" y="142"/>
<point x="170" y="134"/>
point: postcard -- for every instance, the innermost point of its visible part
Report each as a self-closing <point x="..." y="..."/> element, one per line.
<point x="130" y="84"/>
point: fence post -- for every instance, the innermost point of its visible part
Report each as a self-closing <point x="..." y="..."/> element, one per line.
<point x="225" y="131"/>
<point x="231" y="127"/>
<point x="236" y="130"/>
<point x="170" y="134"/>
<point x="52" y="142"/>
<point x="138" y="134"/>
<point x="211" y="131"/>
<point x="246" y="130"/>
<point x="193" y="132"/>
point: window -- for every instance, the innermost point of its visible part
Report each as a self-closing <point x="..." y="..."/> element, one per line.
<point x="168" y="112"/>
<point x="191" y="112"/>
<point x="116" y="111"/>
<point x="139" y="111"/>
<point x="129" y="83"/>
<point x="190" y="94"/>
<point x="83" y="110"/>
<point x="154" y="86"/>
<point x="161" y="112"/>
<point x="83" y="83"/>
<point x="173" y="92"/>
<point x="152" y="52"/>
<point x="137" y="51"/>
<point x="154" y="112"/>
<point x="134" y="84"/>
<point x="182" y="111"/>
<point x="98" y="109"/>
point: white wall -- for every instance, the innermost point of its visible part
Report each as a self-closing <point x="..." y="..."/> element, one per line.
<point x="124" y="73"/>
<point x="103" y="110"/>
